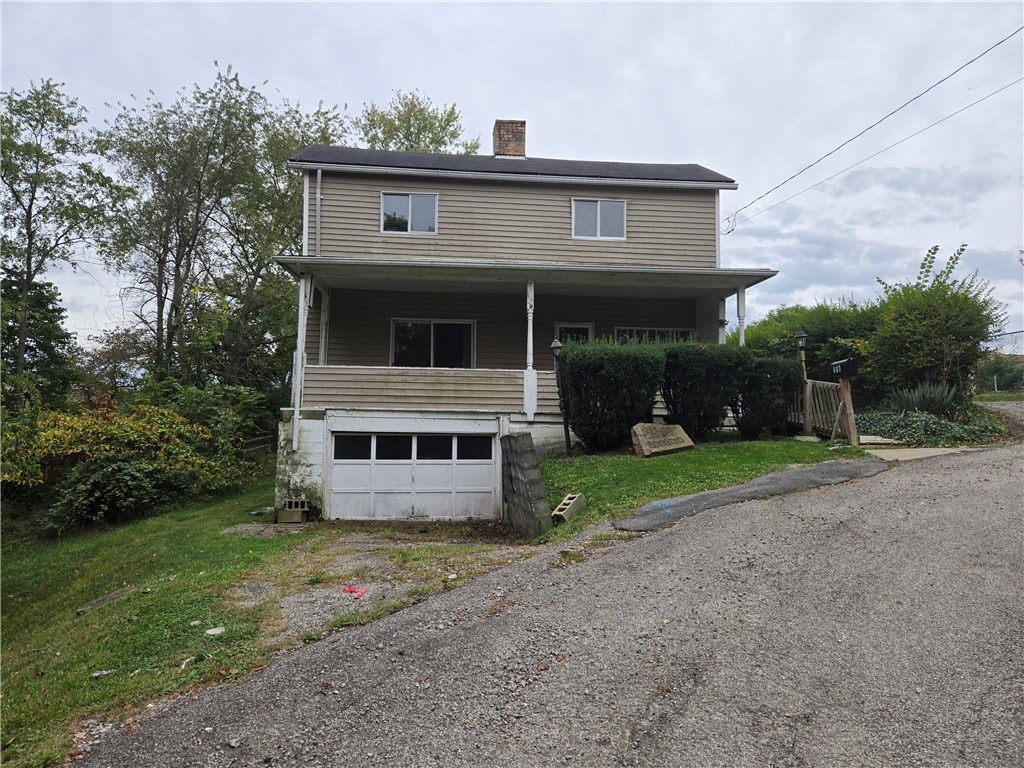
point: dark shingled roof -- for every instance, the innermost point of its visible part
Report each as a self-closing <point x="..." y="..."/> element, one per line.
<point x="322" y="155"/>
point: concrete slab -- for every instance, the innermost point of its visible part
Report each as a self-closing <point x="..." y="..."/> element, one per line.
<point x="909" y="454"/>
<point x="876" y="440"/>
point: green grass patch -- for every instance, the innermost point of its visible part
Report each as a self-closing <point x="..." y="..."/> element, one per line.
<point x="618" y="484"/>
<point x="1009" y="396"/>
<point x="178" y="565"/>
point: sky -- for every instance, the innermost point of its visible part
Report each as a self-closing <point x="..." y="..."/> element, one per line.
<point x="756" y="91"/>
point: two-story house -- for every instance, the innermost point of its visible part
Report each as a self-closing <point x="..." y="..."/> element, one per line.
<point x="431" y="288"/>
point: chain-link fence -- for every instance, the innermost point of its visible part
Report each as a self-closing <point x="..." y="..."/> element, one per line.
<point x="1003" y="366"/>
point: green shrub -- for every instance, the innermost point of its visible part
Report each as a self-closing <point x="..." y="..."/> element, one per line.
<point x="933" y="397"/>
<point x="934" y="328"/>
<point x="999" y="372"/>
<point x="765" y="395"/>
<point x="106" y="466"/>
<point x="919" y="428"/>
<point x="233" y="414"/>
<point x="700" y="382"/>
<point x="609" y="388"/>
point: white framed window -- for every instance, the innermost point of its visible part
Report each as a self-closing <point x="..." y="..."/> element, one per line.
<point x="433" y="343"/>
<point x="409" y="213"/>
<point x="598" y="219"/>
<point x="652" y="334"/>
<point x="574" y="332"/>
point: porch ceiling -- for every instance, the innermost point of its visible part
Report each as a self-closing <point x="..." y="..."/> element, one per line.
<point x="455" y="276"/>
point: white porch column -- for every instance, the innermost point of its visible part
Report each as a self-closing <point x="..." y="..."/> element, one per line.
<point x="529" y="375"/>
<point x="299" y="359"/>
<point x="741" y="312"/>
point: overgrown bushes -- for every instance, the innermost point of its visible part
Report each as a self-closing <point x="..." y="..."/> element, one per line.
<point x="105" y="466"/>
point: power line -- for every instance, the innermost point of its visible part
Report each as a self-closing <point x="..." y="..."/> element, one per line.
<point x="731" y="226"/>
<point x="876" y="154"/>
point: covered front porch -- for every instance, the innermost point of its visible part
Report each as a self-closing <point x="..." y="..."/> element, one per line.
<point x="484" y="330"/>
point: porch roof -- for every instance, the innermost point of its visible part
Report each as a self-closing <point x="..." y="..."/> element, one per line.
<point x="462" y="276"/>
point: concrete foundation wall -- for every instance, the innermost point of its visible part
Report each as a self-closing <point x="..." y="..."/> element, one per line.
<point x="300" y="473"/>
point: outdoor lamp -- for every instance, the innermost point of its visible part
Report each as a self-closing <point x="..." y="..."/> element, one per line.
<point x="801" y="343"/>
<point x="556" y="351"/>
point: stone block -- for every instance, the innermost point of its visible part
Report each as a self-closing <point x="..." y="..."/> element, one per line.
<point x="659" y="439"/>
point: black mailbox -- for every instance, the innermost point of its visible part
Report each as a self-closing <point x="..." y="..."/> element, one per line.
<point x="844" y="369"/>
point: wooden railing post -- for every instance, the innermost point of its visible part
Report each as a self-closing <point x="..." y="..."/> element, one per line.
<point x="849" y="421"/>
<point x="808" y="407"/>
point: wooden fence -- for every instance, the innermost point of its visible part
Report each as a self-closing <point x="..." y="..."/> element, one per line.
<point x="816" y="407"/>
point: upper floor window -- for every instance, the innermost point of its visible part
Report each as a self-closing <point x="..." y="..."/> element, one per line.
<point x="408" y="212"/>
<point x="599" y="219"/>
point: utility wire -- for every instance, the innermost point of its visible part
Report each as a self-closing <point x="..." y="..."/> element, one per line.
<point x="731" y="225"/>
<point x="886" y="149"/>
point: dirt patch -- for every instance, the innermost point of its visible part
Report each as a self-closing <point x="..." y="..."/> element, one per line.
<point x="351" y="573"/>
<point x="1012" y="415"/>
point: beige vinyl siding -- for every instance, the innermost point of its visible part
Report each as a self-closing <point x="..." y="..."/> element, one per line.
<point x="360" y="322"/>
<point x="413" y="389"/>
<point x="479" y="220"/>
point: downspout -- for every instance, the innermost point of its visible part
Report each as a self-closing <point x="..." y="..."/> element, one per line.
<point x="741" y="312"/>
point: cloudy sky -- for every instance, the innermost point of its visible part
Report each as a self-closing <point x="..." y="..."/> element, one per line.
<point x="757" y="91"/>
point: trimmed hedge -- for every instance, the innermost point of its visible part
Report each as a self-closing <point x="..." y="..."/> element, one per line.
<point x="700" y="382"/>
<point x="765" y="396"/>
<point x="609" y="388"/>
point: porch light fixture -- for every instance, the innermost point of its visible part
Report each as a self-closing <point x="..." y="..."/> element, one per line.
<point x="556" y="351"/>
<point x="801" y="343"/>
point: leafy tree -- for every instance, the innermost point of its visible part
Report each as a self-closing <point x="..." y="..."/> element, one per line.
<point x="212" y="202"/>
<point x="115" y="363"/>
<point x="179" y="162"/>
<point x="50" y="199"/>
<point x="32" y="333"/>
<point x="412" y="123"/>
<point x="933" y="329"/>
<point x="835" y="330"/>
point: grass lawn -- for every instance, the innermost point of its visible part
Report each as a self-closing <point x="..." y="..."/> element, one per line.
<point x="152" y="641"/>
<point x="616" y="484"/>
<point x="1010" y="395"/>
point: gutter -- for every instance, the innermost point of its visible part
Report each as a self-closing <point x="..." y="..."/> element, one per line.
<point x="515" y="177"/>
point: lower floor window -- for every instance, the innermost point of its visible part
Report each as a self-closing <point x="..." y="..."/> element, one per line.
<point x="432" y="343"/>
<point x="652" y="334"/>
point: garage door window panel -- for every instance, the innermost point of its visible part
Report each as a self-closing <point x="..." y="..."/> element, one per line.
<point x="394" y="447"/>
<point x="475" y="448"/>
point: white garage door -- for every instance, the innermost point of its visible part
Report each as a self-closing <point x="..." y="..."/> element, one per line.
<point x="390" y="476"/>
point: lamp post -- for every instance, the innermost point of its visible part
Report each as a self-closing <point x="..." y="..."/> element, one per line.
<point x="801" y="342"/>
<point x="556" y="351"/>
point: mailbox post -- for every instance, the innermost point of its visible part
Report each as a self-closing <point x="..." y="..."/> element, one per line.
<point x="844" y="369"/>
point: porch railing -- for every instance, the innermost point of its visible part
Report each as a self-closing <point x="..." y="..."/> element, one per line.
<point x="816" y="407"/>
<point x="431" y="389"/>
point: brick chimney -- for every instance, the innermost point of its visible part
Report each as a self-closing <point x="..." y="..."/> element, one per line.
<point x="510" y="138"/>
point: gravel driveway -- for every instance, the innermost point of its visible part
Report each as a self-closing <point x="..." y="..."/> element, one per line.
<point x="876" y="622"/>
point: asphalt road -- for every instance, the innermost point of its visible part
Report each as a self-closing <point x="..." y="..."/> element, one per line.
<point x="876" y="622"/>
